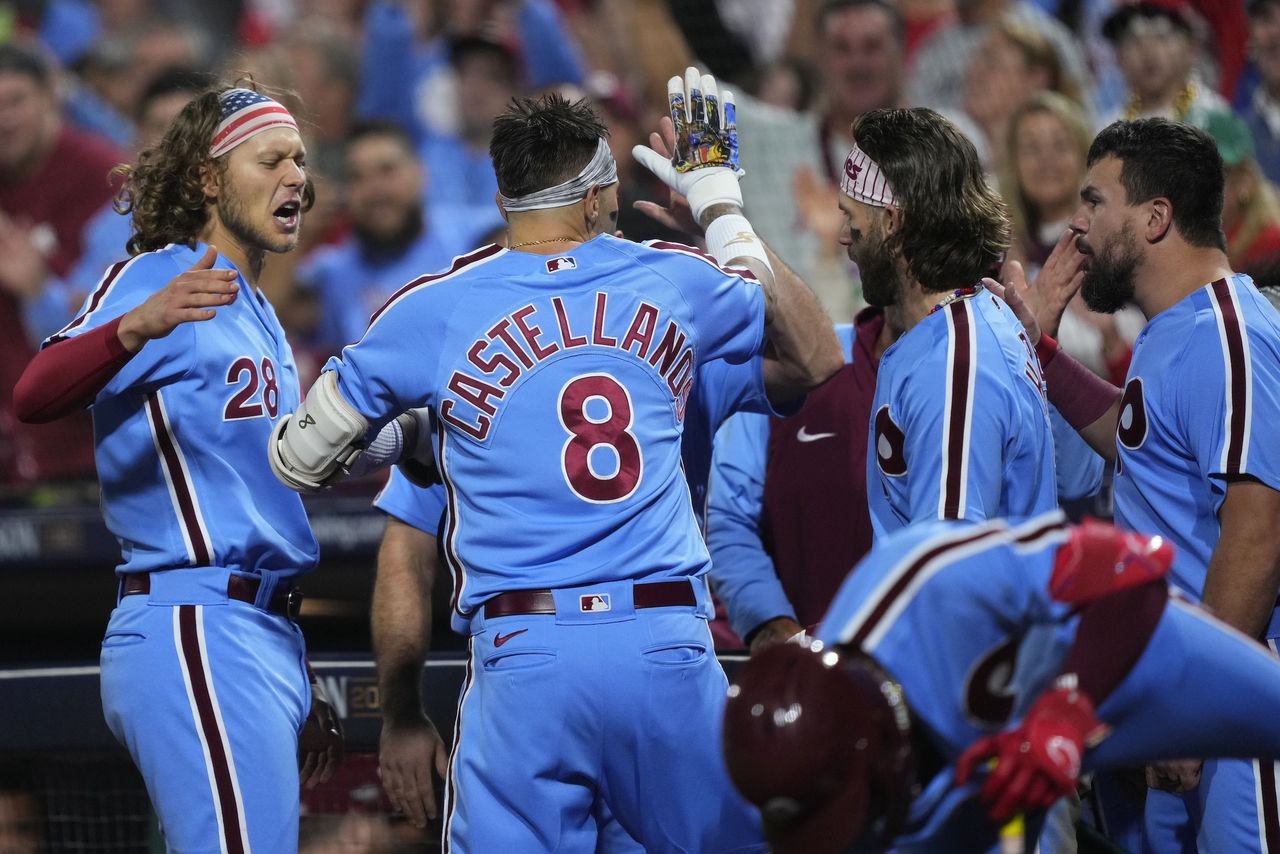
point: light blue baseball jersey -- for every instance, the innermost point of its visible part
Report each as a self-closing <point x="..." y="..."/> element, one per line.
<point x="960" y="615"/>
<point x="721" y="389"/>
<point x="560" y="386"/>
<point x="207" y="693"/>
<point x="179" y="431"/>
<point x="1205" y="372"/>
<point x="1179" y="443"/>
<point x="960" y="423"/>
<point x="351" y="283"/>
<point x="743" y="570"/>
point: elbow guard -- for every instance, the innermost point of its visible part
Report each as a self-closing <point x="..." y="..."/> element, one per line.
<point x="316" y="444"/>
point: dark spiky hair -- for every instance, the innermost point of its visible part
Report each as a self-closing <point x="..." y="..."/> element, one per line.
<point x="540" y="142"/>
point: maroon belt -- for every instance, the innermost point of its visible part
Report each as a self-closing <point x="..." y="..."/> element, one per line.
<point x="655" y="594"/>
<point x="286" y="602"/>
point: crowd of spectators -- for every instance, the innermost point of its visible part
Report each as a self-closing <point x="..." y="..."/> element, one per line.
<point x="397" y="98"/>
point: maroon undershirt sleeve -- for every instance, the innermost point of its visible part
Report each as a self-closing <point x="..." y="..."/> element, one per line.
<point x="1080" y="395"/>
<point x="1112" y="635"/>
<point x="67" y="376"/>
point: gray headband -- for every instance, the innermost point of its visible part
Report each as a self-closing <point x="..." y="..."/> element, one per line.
<point x="601" y="170"/>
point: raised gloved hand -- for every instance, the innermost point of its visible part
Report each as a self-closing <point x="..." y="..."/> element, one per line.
<point x="704" y="164"/>
<point x="1038" y="762"/>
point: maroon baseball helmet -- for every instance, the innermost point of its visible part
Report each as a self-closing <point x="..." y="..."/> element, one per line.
<point x="819" y="740"/>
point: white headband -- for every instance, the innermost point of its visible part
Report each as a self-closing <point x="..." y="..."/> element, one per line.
<point x="863" y="180"/>
<point x="601" y="170"/>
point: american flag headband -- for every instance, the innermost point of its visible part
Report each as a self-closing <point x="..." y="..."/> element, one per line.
<point x="245" y="114"/>
<point x="601" y="170"/>
<point x="863" y="181"/>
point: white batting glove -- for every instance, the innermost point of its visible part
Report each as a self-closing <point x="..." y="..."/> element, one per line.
<point x="704" y="167"/>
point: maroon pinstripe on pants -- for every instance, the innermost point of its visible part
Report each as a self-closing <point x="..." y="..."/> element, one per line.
<point x="451" y="792"/>
<point x="1270" y="817"/>
<point x="207" y="720"/>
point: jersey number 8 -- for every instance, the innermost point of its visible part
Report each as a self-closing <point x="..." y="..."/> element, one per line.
<point x="595" y="410"/>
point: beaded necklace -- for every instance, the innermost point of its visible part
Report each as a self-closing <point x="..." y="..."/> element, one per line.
<point x="957" y="294"/>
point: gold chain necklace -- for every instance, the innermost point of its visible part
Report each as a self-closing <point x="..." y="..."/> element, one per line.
<point x="536" y="242"/>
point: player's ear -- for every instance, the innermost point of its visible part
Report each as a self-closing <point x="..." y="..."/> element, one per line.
<point x="209" y="179"/>
<point x="1159" y="219"/>
<point x="892" y="218"/>
<point x="497" y="200"/>
<point x="591" y="205"/>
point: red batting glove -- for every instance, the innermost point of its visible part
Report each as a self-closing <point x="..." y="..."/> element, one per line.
<point x="1039" y="761"/>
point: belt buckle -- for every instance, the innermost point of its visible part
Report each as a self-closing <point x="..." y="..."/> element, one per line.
<point x="293" y="603"/>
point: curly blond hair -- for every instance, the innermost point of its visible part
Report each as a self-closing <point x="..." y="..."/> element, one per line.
<point x="164" y="190"/>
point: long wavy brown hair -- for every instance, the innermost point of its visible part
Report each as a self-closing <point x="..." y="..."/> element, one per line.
<point x="955" y="227"/>
<point x="164" y="190"/>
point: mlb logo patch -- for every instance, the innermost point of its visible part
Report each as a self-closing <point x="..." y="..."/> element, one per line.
<point x="564" y="262"/>
<point x="594" y="602"/>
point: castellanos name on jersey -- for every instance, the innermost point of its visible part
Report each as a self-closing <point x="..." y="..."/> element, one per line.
<point x="560" y="396"/>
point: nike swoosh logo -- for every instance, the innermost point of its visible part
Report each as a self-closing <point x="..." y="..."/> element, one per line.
<point x="499" y="639"/>
<point x="805" y="436"/>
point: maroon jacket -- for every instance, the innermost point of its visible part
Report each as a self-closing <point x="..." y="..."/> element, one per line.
<point x="814" y="523"/>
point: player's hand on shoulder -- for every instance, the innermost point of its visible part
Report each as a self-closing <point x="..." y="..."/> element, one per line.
<point x="696" y="151"/>
<point x="1016" y="294"/>
<point x="320" y="746"/>
<point x="1176" y="775"/>
<point x="408" y="750"/>
<point x="191" y="296"/>
<point x="1041" y="304"/>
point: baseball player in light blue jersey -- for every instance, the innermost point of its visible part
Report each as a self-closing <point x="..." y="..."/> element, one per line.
<point x="204" y="676"/>
<point x="407" y="565"/>
<point x="1190" y="464"/>
<point x="558" y="380"/>
<point x="761" y="559"/>
<point x="959" y="424"/>
<point x="967" y="673"/>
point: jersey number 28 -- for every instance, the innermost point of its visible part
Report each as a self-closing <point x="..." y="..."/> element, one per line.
<point x="246" y="402"/>
<point x="595" y="410"/>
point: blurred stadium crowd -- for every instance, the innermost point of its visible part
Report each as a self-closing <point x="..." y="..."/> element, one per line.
<point x="398" y="98"/>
